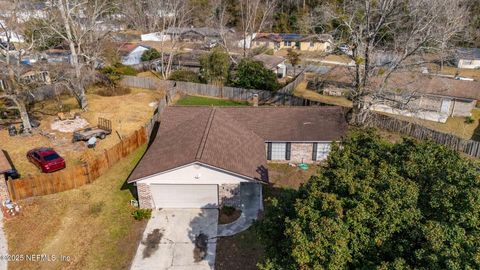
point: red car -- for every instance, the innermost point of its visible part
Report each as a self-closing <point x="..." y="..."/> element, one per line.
<point x="46" y="159"/>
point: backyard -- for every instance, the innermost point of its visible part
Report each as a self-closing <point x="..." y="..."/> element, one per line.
<point x="243" y="251"/>
<point x="208" y="101"/>
<point x="127" y="113"/>
<point x="92" y="224"/>
<point x="302" y="91"/>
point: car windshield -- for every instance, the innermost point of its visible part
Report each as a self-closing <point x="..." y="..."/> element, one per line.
<point x="51" y="157"/>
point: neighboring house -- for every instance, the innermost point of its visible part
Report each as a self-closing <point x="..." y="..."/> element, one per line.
<point x="156" y="36"/>
<point x="202" y="155"/>
<point x="468" y="58"/>
<point x="36" y="76"/>
<point x="131" y="53"/>
<point x="273" y="63"/>
<point x="57" y="56"/>
<point x="426" y="97"/>
<point x="192" y="34"/>
<point x="317" y="43"/>
<point x="26" y="75"/>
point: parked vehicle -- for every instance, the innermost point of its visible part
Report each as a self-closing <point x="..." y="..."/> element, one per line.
<point x="46" y="159"/>
<point x="101" y="131"/>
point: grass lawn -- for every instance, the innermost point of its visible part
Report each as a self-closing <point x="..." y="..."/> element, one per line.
<point x="208" y="101"/>
<point x="93" y="224"/>
<point x="243" y="251"/>
<point x="302" y="91"/>
<point x="454" y="125"/>
<point x="127" y="112"/>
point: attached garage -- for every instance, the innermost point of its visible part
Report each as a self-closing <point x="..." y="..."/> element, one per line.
<point x="184" y="196"/>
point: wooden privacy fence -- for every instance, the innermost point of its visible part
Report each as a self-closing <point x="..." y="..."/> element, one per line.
<point x="385" y="122"/>
<point x="280" y="97"/>
<point x="76" y="176"/>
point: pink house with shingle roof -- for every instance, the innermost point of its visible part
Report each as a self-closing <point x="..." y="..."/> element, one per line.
<point x="202" y="155"/>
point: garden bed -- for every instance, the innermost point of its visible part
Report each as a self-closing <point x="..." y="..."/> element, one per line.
<point x="228" y="215"/>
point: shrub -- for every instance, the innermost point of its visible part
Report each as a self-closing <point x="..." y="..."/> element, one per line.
<point x="150" y="54"/>
<point x="114" y="73"/>
<point x="185" y="76"/>
<point x="141" y="214"/>
<point x="469" y="120"/>
<point x="252" y="74"/>
<point x="228" y="210"/>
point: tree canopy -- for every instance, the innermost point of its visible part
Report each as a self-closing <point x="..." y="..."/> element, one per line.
<point x="252" y="74"/>
<point x="150" y="54"/>
<point x="378" y="205"/>
<point x="215" y="65"/>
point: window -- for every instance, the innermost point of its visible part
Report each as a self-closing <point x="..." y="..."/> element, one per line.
<point x="323" y="149"/>
<point x="287" y="43"/>
<point x="278" y="151"/>
<point x="312" y="44"/>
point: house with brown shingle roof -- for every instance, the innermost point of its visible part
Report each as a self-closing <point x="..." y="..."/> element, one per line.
<point x="201" y="156"/>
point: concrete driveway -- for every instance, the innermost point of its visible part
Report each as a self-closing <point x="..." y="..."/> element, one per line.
<point x="169" y="240"/>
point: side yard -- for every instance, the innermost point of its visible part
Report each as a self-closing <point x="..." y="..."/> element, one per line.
<point x="208" y="101"/>
<point x="302" y="91"/>
<point x="243" y="251"/>
<point x="92" y="225"/>
<point x="127" y="112"/>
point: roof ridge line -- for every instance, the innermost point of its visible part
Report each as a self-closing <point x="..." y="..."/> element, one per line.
<point x="203" y="142"/>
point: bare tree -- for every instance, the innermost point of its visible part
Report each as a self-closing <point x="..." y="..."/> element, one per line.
<point x="77" y="23"/>
<point x="402" y="28"/>
<point x="254" y="16"/>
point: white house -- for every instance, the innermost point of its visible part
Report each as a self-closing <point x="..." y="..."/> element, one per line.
<point x="202" y="156"/>
<point x="468" y="58"/>
<point x="132" y="53"/>
<point x="274" y="63"/>
<point x="156" y="36"/>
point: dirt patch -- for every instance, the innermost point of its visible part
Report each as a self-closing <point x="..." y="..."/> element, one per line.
<point x="228" y="217"/>
<point x="70" y="125"/>
<point x="239" y="252"/>
<point x="201" y="245"/>
<point x="152" y="242"/>
<point x="283" y="175"/>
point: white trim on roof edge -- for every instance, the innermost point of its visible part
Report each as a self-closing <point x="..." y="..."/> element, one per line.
<point x="196" y="163"/>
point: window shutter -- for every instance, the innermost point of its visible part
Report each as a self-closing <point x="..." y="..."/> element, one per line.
<point x="269" y="151"/>
<point x="314" y="152"/>
<point x="288" y="150"/>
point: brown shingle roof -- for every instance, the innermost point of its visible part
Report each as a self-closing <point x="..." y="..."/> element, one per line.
<point x="233" y="138"/>
<point x="270" y="61"/>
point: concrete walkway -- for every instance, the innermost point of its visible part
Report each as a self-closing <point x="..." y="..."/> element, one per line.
<point x="168" y="240"/>
<point x="251" y="199"/>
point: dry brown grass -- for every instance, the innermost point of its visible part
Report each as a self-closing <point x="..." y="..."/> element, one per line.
<point x="127" y="113"/>
<point x="302" y="91"/>
<point x="285" y="176"/>
<point x="454" y="125"/>
<point x="93" y="224"/>
<point x="448" y="70"/>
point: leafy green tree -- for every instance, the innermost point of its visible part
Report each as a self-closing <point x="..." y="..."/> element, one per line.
<point x="215" y="66"/>
<point x="252" y="74"/>
<point x="185" y="76"/>
<point x="294" y="58"/>
<point x="378" y="205"/>
<point x="150" y="54"/>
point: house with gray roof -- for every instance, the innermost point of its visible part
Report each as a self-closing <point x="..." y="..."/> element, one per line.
<point x="202" y="156"/>
<point x="468" y="58"/>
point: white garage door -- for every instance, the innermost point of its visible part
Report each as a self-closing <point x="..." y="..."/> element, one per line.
<point x="185" y="196"/>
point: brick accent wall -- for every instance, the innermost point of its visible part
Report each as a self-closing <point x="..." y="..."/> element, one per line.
<point x="145" y="199"/>
<point x="229" y="194"/>
<point x="301" y="151"/>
